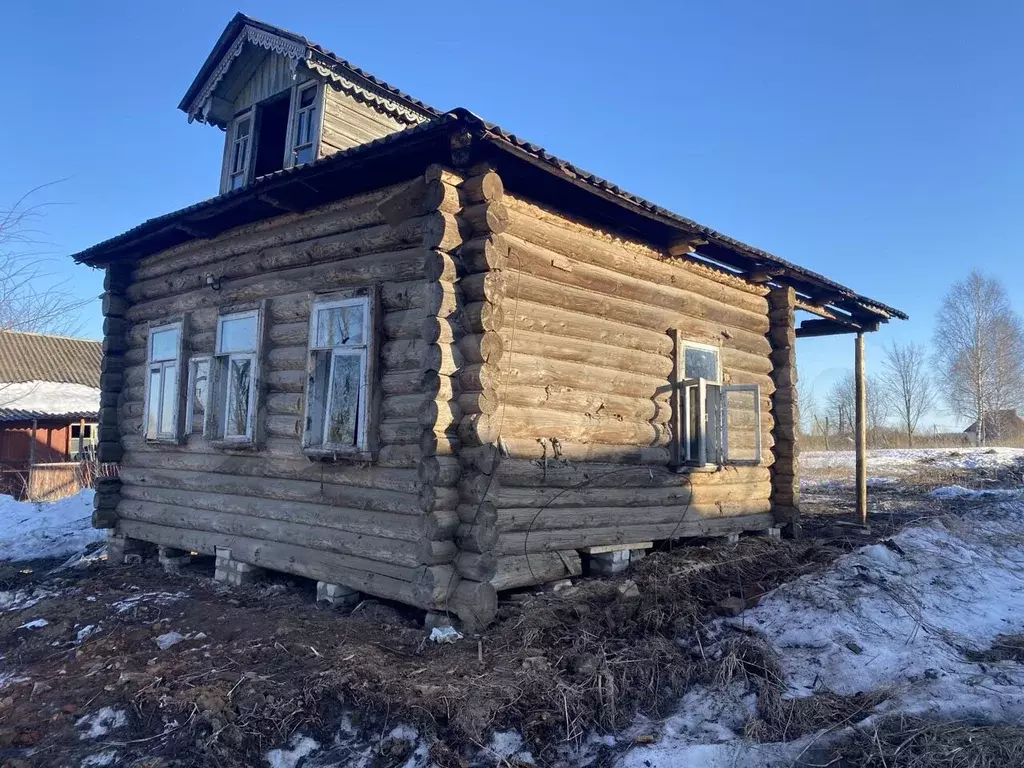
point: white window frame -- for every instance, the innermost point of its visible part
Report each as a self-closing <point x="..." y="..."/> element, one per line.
<point x="233" y="140"/>
<point x="295" y="116"/>
<point x="190" y="398"/>
<point x="709" y="448"/>
<point x="177" y="327"/>
<point x="318" y="444"/>
<point x="217" y="418"/>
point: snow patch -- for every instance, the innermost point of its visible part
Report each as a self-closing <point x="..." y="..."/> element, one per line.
<point x="898" y="616"/>
<point x="20" y="599"/>
<point x="168" y="639"/>
<point x="959" y="492"/>
<point x="157" y="598"/>
<point x="895" y="462"/>
<point x="301" y="747"/>
<point x="35" y="624"/>
<point x="38" y="530"/>
<point x="101" y="723"/>
<point x="99" y="759"/>
<point x="84" y="632"/>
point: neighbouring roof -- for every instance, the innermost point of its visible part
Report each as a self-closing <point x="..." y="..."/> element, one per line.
<point x="1002" y="423"/>
<point x="26" y="357"/>
<point x="28" y="400"/>
<point x="244" y="29"/>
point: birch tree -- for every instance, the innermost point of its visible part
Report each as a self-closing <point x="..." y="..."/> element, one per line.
<point x="30" y="297"/>
<point x="841" y="404"/>
<point x="907" y="386"/>
<point x="979" y="350"/>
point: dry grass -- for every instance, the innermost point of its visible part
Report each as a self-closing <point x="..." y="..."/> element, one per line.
<point x="907" y="742"/>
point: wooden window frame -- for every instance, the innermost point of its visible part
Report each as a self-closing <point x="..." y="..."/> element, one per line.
<point x="294" y="115"/>
<point x="232" y="140"/>
<point x="216" y="415"/>
<point x="755" y="390"/>
<point x="190" y="404"/>
<point x="174" y="436"/>
<point x="365" y="448"/>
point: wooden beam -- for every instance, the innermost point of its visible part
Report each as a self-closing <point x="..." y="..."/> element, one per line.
<point x="685" y="247"/>
<point x="862" y="430"/>
<point x="192" y="231"/>
<point x="811" y="328"/>
<point x="280" y="204"/>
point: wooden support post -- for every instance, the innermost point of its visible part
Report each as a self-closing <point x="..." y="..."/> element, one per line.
<point x="862" y="432"/>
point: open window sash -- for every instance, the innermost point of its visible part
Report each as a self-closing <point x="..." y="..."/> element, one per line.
<point x="732" y="408"/>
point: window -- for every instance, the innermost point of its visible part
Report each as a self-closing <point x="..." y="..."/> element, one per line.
<point x="162" y="394"/>
<point x="197" y="400"/>
<point x="233" y="416"/>
<point x="714" y="424"/>
<point x="304" y="124"/>
<point x="271" y="136"/>
<point x="340" y="333"/>
<point x="238" y="158"/>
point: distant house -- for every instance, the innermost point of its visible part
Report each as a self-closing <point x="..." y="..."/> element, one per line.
<point x="1000" y="426"/>
<point x="49" y="401"/>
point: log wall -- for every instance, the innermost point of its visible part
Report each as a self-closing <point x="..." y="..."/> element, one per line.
<point x="583" y="418"/>
<point x="385" y="527"/>
<point x="786" y="468"/>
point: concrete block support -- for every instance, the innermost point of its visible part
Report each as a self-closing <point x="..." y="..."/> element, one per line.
<point x="608" y="563"/>
<point x="172" y="559"/>
<point x="124" y="550"/>
<point x="234" y="572"/>
<point x="336" y="595"/>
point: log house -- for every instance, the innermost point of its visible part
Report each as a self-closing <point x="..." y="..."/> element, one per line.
<point x="408" y="353"/>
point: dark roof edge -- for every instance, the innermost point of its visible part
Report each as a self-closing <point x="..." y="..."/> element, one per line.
<point x="243" y="206"/>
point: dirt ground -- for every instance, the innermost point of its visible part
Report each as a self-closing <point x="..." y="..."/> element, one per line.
<point x="255" y="666"/>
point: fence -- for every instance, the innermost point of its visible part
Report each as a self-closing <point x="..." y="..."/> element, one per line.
<point x="58" y="480"/>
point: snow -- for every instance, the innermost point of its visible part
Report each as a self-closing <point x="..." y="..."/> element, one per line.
<point x="20" y="599"/>
<point x="301" y="747"/>
<point x="101" y="723"/>
<point x="50" y="397"/>
<point x="445" y="635"/>
<point x="100" y="759"/>
<point x="168" y="639"/>
<point x="912" y="607"/>
<point x="37" y="530"/>
<point x="35" y="624"/>
<point x="157" y="598"/>
<point x="959" y="492"/>
<point x="903" y="461"/>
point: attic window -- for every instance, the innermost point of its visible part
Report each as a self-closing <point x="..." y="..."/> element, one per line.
<point x="305" y="124"/>
<point x="238" y="160"/>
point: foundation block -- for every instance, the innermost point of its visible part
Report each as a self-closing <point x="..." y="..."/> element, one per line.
<point x="336" y="594"/>
<point x="234" y="572"/>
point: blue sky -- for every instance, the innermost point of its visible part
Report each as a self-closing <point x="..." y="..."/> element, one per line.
<point x="879" y="143"/>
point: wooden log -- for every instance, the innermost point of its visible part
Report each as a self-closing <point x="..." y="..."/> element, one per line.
<point x="439" y="470"/>
<point x="417" y="198"/>
<point x="485" y="187"/>
<point x="537" y="290"/>
<point x="657" y="409"/>
<point x="483" y="254"/>
<point x="476" y="566"/>
<point x="532" y="448"/>
<point x="475" y="603"/>
<point x="516" y="422"/>
<point x="476" y="537"/>
<point x="565" y="349"/>
<point x="482" y="348"/>
<point x="114" y="305"/>
<point x="529" y="316"/>
<point x="371" y="548"/>
<point x="481" y="316"/>
<point x="419" y="587"/>
<point x="550" y="265"/>
<point x="579" y="242"/>
<point x="479" y="402"/>
<point x="485" y="217"/>
<point x="539" y="520"/>
<point x="517" y="543"/>
<point x="482" y="512"/>
<point x="519" y="368"/>
<point x="514" y="571"/>
<point x="484" y="286"/>
<point x="639" y="496"/>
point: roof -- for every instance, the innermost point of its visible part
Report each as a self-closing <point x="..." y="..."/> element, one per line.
<point x="28" y="400"/>
<point x="245" y="28"/>
<point x="525" y="168"/>
<point x="999" y="421"/>
<point x="40" y="357"/>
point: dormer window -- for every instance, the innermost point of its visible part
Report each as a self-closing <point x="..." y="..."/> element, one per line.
<point x="274" y="133"/>
<point x="303" y="146"/>
<point x="238" y="169"/>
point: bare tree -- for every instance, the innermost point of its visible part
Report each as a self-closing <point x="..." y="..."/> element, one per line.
<point x="30" y="298"/>
<point x="808" y="406"/>
<point x="979" y="350"/>
<point x="841" y="405"/>
<point x="907" y="386"/>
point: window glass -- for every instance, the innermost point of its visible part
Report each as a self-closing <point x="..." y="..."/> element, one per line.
<point x="343" y="408"/>
<point x="237" y="333"/>
<point x="170" y="390"/>
<point x="306" y="97"/>
<point x="153" y="404"/>
<point x="200" y="386"/>
<point x="243" y="128"/>
<point x="164" y="345"/>
<point x="304" y="155"/>
<point x="336" y="326"/>
<point x="693" y="426"/>
<point x="701" y="363"/>
<point x="239" y="371"/>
